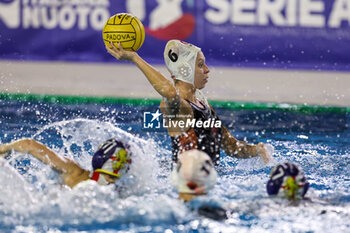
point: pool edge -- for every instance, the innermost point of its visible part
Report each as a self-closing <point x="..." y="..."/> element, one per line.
<point x="71" y="99"/>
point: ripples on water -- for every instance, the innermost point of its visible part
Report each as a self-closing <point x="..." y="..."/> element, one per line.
<point x="32" y="199"/>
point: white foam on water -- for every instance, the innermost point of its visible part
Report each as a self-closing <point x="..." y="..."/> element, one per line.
<point x="16" y="193"/>
<point x="85" y="135"/>
<point x="35" y="202"/>
<point x="37" y="198"/>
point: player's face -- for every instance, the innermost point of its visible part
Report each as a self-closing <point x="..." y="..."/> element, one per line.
<point x="201" y="72"/>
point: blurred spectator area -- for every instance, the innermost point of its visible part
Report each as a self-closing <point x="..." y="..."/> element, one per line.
<point x="125" y="80"/>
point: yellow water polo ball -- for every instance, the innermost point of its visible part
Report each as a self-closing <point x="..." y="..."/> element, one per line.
<point x="126" y="29"/>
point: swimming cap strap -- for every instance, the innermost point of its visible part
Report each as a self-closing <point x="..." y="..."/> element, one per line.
<point x="95" y="176"/>
<point x="107" y="172"/>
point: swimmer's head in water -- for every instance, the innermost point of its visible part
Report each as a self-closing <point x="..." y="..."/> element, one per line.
<point x="194" y="173"/>
<point x="287" y="180"/>
<point x="180" y="59"/>
<point x="112" y="160"/>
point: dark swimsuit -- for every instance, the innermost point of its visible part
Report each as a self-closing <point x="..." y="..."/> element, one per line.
<point x="204" y="139"/>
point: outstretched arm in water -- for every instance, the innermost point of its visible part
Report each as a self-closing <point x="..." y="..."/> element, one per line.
<point x="71" y="172"/>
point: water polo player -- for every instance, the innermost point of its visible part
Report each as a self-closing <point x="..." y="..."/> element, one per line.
<point x="184" y="102"/>
<point x="110" y="162"/>
<point x="287" y="180"/>
<point x="193" y="175"/>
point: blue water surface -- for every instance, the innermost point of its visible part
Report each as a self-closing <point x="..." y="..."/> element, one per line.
<point x="32" y="199"/>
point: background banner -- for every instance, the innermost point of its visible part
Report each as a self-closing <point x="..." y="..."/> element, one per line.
<point x="303" y="34"/>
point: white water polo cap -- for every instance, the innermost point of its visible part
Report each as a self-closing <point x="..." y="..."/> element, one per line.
<point x="194" y="173"/>
<point x="180" y="59"/>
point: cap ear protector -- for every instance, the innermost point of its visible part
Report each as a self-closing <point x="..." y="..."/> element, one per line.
<point x="111" y="158"/>
<point x="287" y="180"/>
<point x="180" y="59"/>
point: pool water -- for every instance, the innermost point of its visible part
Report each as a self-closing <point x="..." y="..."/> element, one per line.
<point x="32" y="199"/>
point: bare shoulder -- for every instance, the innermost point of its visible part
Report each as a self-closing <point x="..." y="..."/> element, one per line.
<point x="75" y="176"/>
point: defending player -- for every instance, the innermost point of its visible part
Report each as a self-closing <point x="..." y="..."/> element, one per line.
<point x="183" y="101"/>
<point x="110" y="162"/>
<point x="193" y="175"/>
<point x="287" y="179"/>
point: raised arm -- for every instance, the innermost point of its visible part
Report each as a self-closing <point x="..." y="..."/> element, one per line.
<point x="160" y="83"/>
<point x="61" y="164"/>
<point x="240" y="149"/>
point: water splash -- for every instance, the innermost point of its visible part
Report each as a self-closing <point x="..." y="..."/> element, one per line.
<point x="32" y="199"/>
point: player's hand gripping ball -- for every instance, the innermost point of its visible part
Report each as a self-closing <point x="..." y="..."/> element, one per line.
<point x="126" y="29"/>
